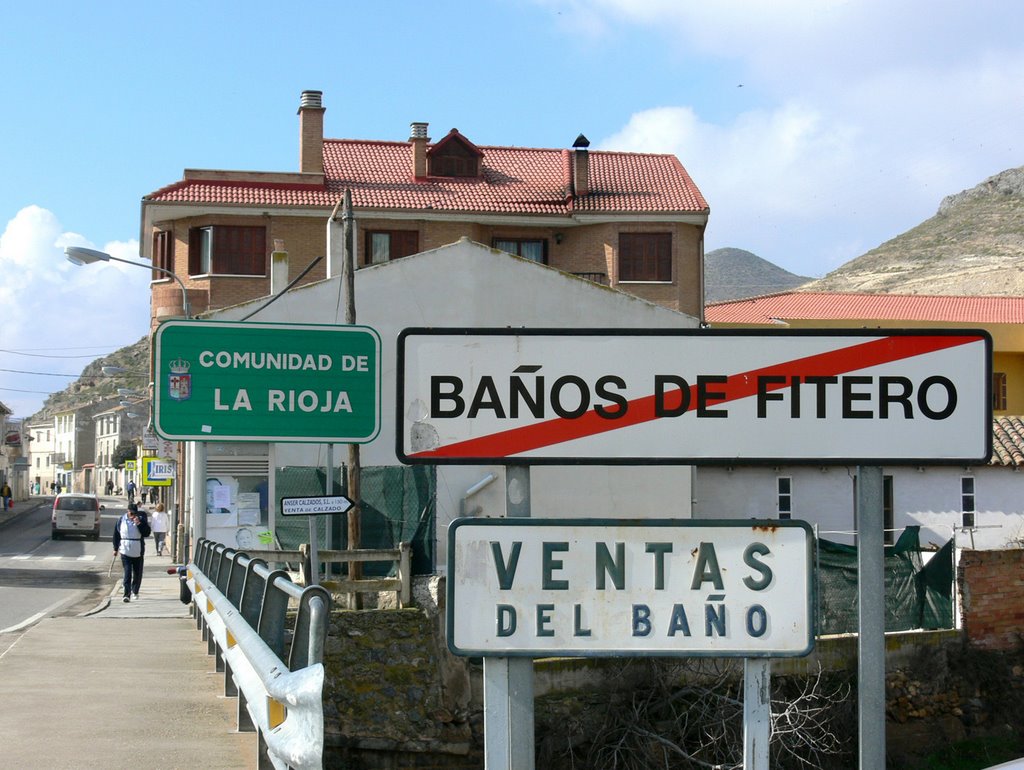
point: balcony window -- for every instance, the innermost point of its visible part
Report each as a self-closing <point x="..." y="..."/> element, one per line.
<point x="227" y="250"/>
<point x="532" y="249"/>
<point x="385" y="245"/>
<point x="645" y="257"/>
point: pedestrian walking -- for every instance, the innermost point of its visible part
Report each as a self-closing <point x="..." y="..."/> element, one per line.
<point x="130" y="489"/>
<point x="129" y="542"/>
<point x="159" y="522"/>
<point x="6" y="494"/>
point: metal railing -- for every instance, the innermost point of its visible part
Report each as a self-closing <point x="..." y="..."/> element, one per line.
<point x="595" y="277"/>
<point x="242" y="608"/>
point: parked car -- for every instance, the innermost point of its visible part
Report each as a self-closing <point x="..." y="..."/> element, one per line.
<point x="76" y="514"/>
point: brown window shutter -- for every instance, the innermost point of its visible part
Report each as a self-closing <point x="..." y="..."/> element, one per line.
<point x="194" y="241"/>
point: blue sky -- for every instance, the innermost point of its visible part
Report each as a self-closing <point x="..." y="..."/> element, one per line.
<point x="817" y="129"/>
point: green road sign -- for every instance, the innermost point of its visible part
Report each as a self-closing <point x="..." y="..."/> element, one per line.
<point x="226" y="381"/>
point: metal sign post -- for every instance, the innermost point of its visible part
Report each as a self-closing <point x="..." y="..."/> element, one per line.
<point x="508" y="682"/>
<point x="871" y="607"/>
<point x="757" y="712"/>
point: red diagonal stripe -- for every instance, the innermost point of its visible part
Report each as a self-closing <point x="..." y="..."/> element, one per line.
<point x="831" y="363"/>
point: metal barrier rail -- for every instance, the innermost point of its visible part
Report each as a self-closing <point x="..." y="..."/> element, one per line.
<point x="241" y="606"/>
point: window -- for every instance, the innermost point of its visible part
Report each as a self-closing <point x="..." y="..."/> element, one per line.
<point x="645" y="257"/>
<point x="454" y="156"/>
<point x="785" y="496"/>
<point x="163" y="253"/>
<point x="227" y="250"/>
<point x="535" y="249"/>
<point x="999" y="391"/>
<point x="385" y="245"/>
<point x="967" y="500"/>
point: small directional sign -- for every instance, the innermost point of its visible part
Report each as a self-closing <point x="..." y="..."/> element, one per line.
<point x="314" y="506"/>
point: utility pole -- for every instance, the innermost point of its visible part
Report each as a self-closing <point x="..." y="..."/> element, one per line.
<point x="348" y="287"/>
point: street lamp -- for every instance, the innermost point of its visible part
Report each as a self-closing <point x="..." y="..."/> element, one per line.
<point x="79" y="255"/>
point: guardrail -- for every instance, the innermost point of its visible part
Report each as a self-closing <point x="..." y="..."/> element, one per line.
<point x="242" y="608"/>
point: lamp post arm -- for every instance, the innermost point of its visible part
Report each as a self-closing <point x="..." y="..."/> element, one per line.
<point x="184" y="292"/>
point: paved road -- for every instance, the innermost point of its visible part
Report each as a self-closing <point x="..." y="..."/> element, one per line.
<point x="120" y="686"/>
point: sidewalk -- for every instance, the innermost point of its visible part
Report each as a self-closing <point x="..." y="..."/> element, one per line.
<point x="121" y="686"/>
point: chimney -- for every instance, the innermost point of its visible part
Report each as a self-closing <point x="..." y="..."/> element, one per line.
<point x="278" y="267"/>
<point x="311" y="133"/>
<point x="418" y="137"/>
<point x="580" y="166"/>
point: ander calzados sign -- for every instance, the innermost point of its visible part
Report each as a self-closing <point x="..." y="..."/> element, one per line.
<point x="579" y="587"/>
<point x="266" y="382"/>
<point x="689" y="396"/>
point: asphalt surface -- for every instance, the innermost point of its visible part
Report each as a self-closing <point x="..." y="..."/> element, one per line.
<point x="118" y="686"/>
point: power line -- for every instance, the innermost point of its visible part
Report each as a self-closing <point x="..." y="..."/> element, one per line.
<point x="50" y="355"/>
<point x="42" y="374"/>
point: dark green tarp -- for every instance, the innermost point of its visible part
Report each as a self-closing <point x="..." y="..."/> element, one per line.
<point x="916" y="595"/>
<point x="398" y="504"/>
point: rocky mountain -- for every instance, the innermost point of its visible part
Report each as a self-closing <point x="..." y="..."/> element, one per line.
<point x="735" y="274"/>
<point x="94" y="385"/>
<point x="973" y="245"/>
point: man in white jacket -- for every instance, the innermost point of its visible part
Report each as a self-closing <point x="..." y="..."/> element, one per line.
<point x="129" y="542"/>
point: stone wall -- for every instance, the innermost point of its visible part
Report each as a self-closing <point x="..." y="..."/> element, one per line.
<point x="393" y="695"/>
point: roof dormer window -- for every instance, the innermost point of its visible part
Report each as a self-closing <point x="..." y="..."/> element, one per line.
<point x="454" y="156"/>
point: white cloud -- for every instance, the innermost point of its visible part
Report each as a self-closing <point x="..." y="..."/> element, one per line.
<point x="861" y="115"/>
<point x="54" y="309"/>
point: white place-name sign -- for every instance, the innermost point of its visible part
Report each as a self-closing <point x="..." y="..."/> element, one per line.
<point x="884" y="397"/>
<point x="598" y="587"/>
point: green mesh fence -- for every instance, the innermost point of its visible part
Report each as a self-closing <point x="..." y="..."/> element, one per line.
<point x="916" y="595"/>
<point x="398" y="504"/>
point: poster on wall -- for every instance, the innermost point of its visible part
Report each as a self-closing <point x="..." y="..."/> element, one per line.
<point x="236" y="512"/>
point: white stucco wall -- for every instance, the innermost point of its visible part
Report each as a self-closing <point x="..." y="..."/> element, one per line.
<point x="467" y="285"/>
<point x="929" y="497"/>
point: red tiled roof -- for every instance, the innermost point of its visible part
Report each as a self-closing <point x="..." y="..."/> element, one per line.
<point x="1007" y="441"/>
<point x="515" y="180"/>
<point x="830" y="306"/>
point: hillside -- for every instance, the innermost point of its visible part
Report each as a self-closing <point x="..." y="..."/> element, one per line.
<point x="973" y="245"/>
<point x="736" y="274"/>
<point x="93" y="385"/>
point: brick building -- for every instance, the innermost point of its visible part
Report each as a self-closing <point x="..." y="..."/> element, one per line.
<point x="632" y="221"/>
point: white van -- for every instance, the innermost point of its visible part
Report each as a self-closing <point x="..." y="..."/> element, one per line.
<point x="76" y="514"/>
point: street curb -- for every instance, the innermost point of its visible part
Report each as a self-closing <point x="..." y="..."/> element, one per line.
<point x="7" y="519"/>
